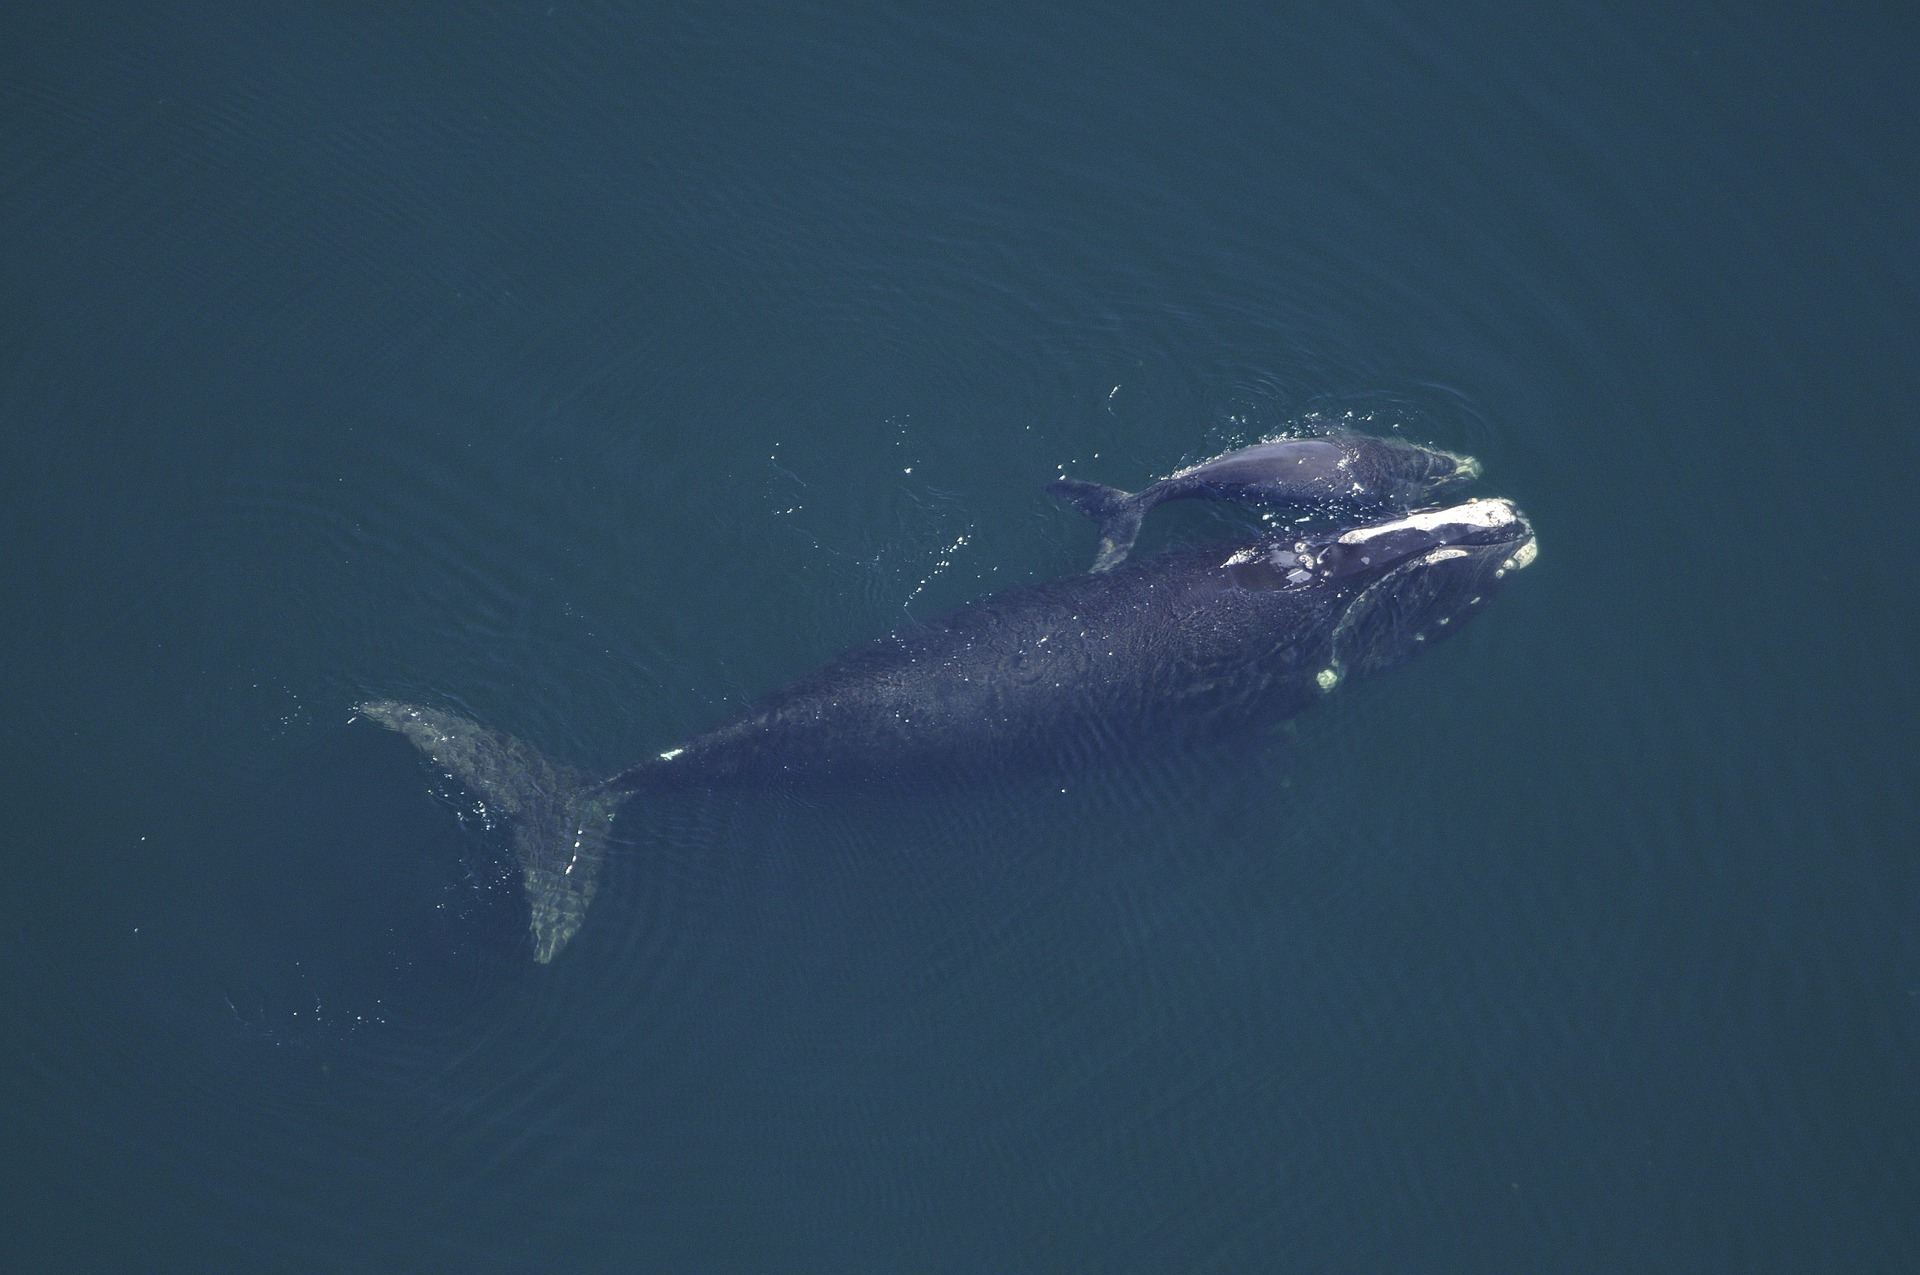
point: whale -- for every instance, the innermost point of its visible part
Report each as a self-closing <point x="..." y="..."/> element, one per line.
<point x="1338" y="474"/>
<point x="1176" y="650"/>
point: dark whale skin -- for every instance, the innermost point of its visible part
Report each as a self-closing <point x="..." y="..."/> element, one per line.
<point x="1190" y="645"/>
<point x="1047" y="674"/>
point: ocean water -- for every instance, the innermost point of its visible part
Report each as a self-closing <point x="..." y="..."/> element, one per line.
<point x="590" y="369"/>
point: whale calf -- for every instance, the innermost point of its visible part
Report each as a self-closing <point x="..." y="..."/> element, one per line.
<point x="1344" y="473"/>
<point x="1178" y="648"/>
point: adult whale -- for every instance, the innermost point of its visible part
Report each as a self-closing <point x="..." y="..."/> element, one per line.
<point x="1188" y="645"/>
<point x="1343" y="473"/>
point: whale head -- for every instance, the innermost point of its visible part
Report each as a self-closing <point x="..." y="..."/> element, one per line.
<point x="1404" y="473"/>
<point x="1411" y="581"/>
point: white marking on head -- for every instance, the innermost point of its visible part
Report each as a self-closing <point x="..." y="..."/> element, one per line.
<point x="1483" y="513"/>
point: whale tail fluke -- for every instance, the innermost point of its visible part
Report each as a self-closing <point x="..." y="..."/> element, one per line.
<point x="1119" y="514"/>
<point x="559" y="820"/>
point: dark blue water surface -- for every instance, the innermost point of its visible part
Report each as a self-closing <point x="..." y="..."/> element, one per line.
<point x="590" y="368"/>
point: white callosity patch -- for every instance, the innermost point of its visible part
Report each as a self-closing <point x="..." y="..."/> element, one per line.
<point x="1521" y="558"/>
<point x="1484" y="514"/>
<point x="1296" y="560"/>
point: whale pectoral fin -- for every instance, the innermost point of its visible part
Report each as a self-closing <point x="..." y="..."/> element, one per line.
<point x="559" y="821"/>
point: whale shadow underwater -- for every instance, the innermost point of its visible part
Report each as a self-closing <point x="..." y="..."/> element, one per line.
<point x="1191" y="645"/>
